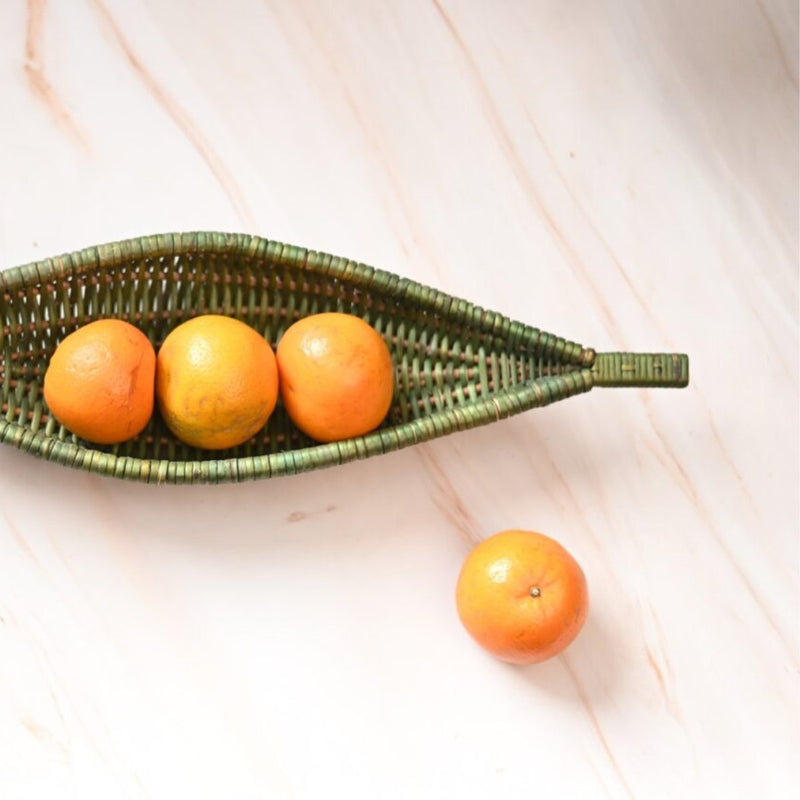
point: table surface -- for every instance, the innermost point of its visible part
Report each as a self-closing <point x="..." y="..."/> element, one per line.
<point x="622" y="174"/>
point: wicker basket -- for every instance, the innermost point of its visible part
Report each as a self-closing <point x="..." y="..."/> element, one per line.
<point x="457" y="365"/>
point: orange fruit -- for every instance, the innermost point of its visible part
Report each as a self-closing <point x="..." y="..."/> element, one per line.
<point x="336" y="376"/>
<point x="216" y="382"/>
<point x="522" y="596"/>
<point x="99" y="383"/>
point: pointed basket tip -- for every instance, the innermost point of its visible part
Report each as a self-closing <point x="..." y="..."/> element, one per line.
<point x="654" y="370"/>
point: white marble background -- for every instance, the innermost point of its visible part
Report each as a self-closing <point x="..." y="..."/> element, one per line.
<point x="621" y="173"/>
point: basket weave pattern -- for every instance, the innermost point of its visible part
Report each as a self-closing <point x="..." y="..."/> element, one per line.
<point x="457" y="365"/>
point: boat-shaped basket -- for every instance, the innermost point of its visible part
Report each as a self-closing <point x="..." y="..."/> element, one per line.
<point x="457" y="365"/>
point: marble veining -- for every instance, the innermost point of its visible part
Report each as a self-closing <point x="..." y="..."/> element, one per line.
<point x="624" y="175"/>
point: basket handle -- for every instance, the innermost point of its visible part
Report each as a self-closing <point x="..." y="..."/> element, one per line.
<point x="665" y="370"/>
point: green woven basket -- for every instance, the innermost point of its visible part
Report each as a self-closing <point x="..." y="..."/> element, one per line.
<point x="457" y="365"/>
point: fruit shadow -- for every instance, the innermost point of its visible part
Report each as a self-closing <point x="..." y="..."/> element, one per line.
<point x="589" y="675"/>
<point x="331" y="513"/>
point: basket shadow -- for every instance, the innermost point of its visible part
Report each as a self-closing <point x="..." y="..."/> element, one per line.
<point x="359" y="497"/>
<point x="251" y="518"/>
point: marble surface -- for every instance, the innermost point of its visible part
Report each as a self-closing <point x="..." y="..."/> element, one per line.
<point x="620" y="173"/>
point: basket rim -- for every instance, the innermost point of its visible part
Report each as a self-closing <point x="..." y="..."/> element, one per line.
<point x="505" y="403"/>
<point x="114" y="253"/>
